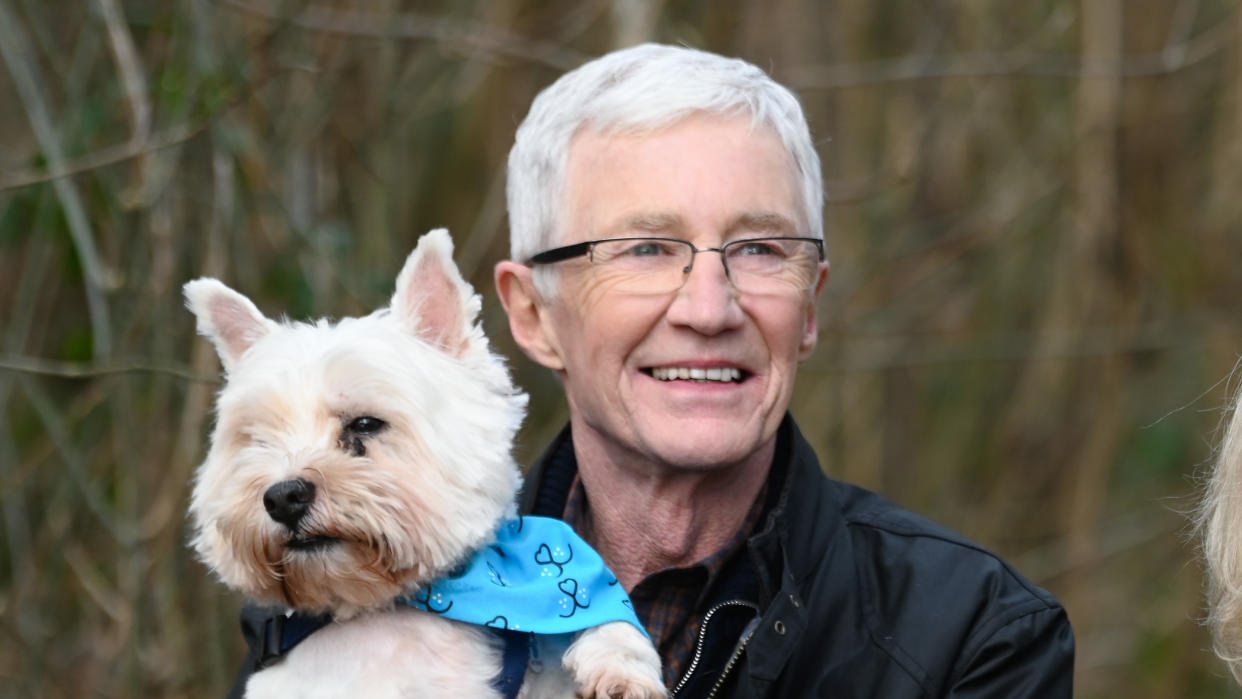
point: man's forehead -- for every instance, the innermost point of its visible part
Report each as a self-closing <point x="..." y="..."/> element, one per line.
<point x="608" y="191"/>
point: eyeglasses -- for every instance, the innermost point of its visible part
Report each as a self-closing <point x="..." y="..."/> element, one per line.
<point x="778" y="265"/>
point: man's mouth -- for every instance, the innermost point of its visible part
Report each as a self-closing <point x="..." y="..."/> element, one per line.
<point x="311" y="543"/>
<point x="714" y="374"/>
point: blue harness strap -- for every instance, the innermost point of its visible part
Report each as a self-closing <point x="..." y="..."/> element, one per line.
<point x="513" y="668"/>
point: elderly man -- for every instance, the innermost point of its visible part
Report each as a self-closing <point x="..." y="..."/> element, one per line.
<point x="667" y="244"/>
<point x="666" y="235"/>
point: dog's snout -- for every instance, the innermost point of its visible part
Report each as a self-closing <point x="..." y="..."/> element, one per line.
<point x="287" y="501"/>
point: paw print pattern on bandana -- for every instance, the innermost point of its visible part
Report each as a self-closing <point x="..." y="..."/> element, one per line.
<point x="576" y="597"/>
<point x="553" y="556"/>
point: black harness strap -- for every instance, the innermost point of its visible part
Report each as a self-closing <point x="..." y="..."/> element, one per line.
<point x="281" y="633"/>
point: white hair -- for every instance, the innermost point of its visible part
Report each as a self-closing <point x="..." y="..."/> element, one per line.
<point x="643" y="88"/>
<point x="1220" y="521"/>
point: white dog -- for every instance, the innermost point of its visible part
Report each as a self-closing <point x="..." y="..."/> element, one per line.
<point x="361" y="469"/>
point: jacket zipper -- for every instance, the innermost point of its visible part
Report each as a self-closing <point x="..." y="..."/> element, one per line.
<point x="698" y="646"/>
<point x="737" y="653"/>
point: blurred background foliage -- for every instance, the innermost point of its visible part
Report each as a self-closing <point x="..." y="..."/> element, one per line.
<point x="1029" y="332"/>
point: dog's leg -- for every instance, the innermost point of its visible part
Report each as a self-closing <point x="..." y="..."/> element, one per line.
<point x="615" y="661"/>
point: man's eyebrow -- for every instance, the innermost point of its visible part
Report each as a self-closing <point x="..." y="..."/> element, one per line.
<point x="767" y="222"/>
<point x="762" y="222"/>
<point x="650" y="223"/>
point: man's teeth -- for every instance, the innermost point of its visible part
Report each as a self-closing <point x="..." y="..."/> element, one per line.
<point x="713" y="374"/>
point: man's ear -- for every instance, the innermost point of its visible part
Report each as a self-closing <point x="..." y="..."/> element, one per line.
<point x="810" y="327"/>
<point x="528" y="318"/>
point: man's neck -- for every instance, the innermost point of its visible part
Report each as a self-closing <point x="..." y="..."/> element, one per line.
<point x="643" y="519"/>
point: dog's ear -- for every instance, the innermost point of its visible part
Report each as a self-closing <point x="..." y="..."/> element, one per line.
<point x="228" y="319"/>
<point x="432" y="300"/>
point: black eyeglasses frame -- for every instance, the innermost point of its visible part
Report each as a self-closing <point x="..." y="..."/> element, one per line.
<point x="568" y="252"/>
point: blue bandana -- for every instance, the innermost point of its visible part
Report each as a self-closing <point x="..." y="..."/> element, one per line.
<point x="538" y="576"/>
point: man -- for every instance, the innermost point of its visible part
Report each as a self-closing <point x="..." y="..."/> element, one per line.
<point x="755" y="574"/>
<point x="666" y="236"/>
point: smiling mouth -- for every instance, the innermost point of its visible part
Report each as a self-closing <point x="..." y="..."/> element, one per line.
<point x="712" y="375"/>
<point x="311" y="543"/>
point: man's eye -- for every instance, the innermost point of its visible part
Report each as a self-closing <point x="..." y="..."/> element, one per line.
<point x="366" y="425"/>
<point x="647" y="249"/>
<point x="758" y="247"/>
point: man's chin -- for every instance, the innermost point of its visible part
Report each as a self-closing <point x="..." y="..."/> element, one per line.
<point x="705" y="447"/>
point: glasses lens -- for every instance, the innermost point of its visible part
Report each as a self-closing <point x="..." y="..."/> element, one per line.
<point x="772" y="265"/>
<point x="644" y="265"/>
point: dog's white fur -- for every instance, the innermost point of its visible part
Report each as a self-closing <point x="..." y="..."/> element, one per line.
<point x="398" y="507"/>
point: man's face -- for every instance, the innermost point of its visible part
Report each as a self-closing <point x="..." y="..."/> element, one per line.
<point x="706" y="180"/>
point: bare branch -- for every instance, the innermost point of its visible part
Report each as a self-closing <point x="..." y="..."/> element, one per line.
<point x="1173" y="58"/>
<point x="24" y="69"/>
<point x="97" y="589"/>
<point x="75" y="462"/>
<point x="133" y="77"/>
<point x="111" y="155"/>
<point x="87" y="370"/>
<point x="476" y="37"/>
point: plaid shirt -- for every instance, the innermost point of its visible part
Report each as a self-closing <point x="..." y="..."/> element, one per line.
<point x="671" y="602"/>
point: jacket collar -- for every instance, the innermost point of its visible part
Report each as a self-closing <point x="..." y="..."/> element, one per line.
<point x="803" y="511"/>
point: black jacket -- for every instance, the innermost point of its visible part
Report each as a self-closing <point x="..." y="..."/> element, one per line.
<point x="844" y="594"/>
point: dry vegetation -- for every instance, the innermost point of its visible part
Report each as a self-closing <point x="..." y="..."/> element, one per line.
<point x="1035" y="306"/>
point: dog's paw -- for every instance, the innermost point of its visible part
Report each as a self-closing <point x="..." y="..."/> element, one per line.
<point x="624" y="688"/>
<point x="615" y="661"/>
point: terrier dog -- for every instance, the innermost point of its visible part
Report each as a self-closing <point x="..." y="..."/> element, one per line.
<point x="360" y="469"/>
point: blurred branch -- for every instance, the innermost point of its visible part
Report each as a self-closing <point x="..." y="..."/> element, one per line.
<point x="165" y="138"/>
<point x="489" y="40"/>
<point x="97" y="589"/>
<point x="23" y="67"/>
<point x="1121" y="534"/>
<point x="133" y="77"/>
<point x="108" y="156"/>
<point x="121" y="531"/>
<point x="83" y="370"/>
<point x="1180" y="25"/>
<point x="1018" y="348"/>
<point x="1175" y="57"/>
<point x="634" y="21"/>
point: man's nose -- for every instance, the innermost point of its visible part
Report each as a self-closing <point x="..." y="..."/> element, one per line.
<point x="706" y="302"/>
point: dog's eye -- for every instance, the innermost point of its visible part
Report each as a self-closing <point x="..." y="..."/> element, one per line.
<point x="366" y="425"/>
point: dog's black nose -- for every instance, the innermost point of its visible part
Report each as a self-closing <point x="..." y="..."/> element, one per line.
<point x="288" y="501"/>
